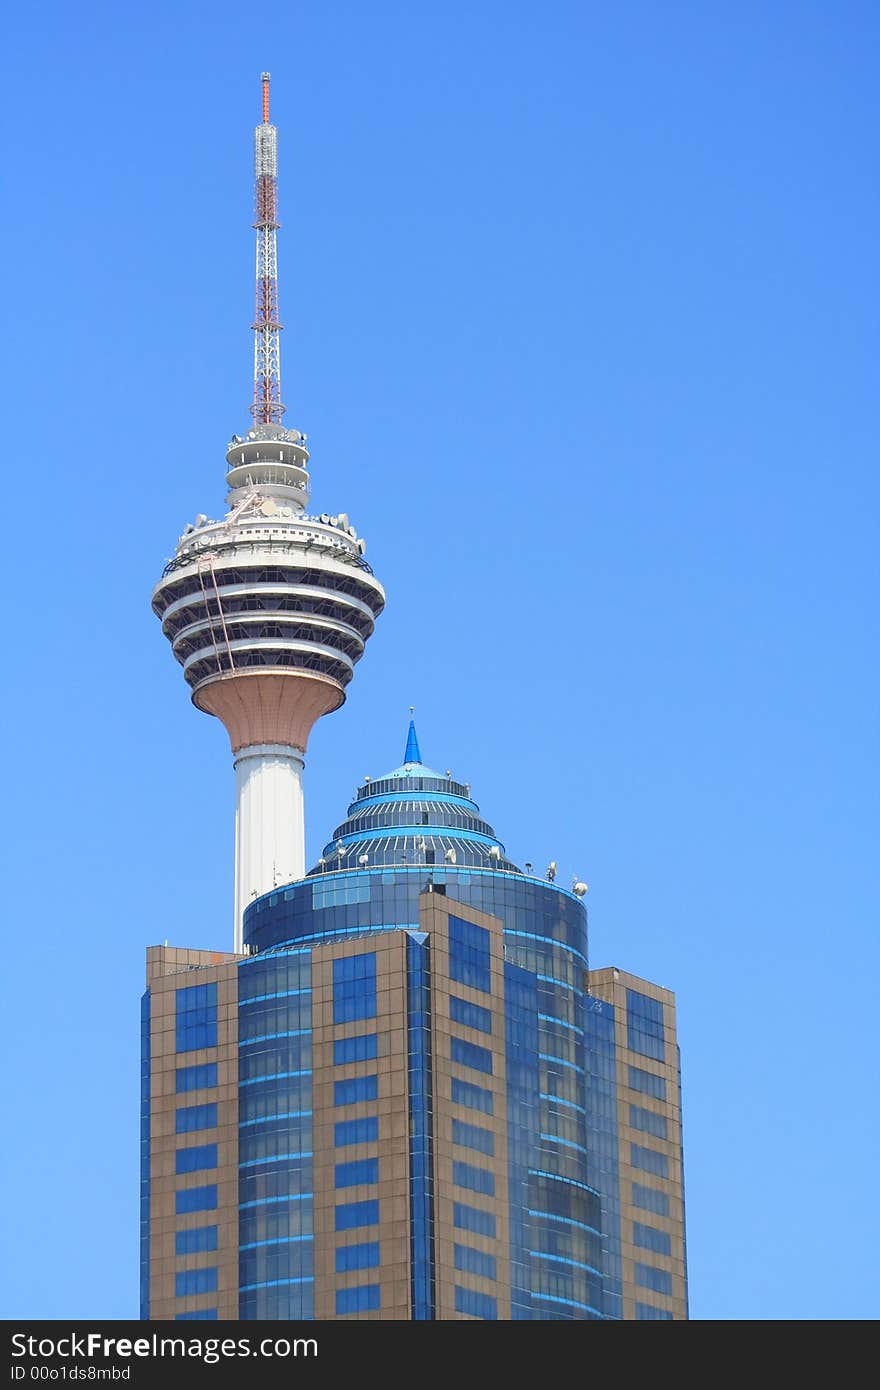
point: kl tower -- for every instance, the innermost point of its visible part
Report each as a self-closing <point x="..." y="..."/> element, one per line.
<point x="268" y="610"/>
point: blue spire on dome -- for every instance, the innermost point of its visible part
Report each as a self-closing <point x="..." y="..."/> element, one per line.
<point x="413" y="752"/>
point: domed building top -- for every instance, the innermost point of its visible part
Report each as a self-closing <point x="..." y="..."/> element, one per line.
<point x="413" y="815"/>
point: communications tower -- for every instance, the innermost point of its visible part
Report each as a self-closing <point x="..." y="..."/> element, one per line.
<point x="268" y="609"/>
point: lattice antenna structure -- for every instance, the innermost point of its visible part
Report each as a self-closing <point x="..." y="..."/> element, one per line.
<point x="267" y="407"/>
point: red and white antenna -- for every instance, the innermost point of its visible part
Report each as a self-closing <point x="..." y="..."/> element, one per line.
<point x="267" y="408"/>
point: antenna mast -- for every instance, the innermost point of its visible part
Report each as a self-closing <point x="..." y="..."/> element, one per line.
<point x="267" y="408"/>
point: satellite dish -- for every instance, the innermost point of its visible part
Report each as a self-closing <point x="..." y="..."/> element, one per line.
<point x="579" y="889"/>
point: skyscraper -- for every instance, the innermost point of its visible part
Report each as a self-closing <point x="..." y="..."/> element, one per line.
<point x="403" y="1094"/>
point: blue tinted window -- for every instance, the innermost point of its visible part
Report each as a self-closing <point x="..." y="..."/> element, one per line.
<point x="647" y="1121"/>
<point x="354" y="987"/>
<point x="649" y="1238"/>
<point x="472" y="1261"/>
<point x="473" y="1137"/>
<point x="649" y="1199"/>
<point x="364" y="1256"/>
<point x="196" y="1199"/>
<point x="357" y="1088"/>
<point x="646" y="1311"/>
<point x="650" y="1160"/>
<point x="203" y="1315"/>
<point x="471" y="1015"/>
<point x="197" y="1078"/>
<point x="356" y="1131"/>
<point x="190" y="1117"/>
<point x="196" y="1017"/>
<point x="363" y="1299"/>
<point x="474" y="1097"/>
<point x="478" y="1305"/>
<point x="190" y="1281"/>
<point x="474" y="1179"/>
<point x="647" y="1083"/>
<point x="360" y="1049"/>
<point x="466" y="1218"/>
<point x="469" y="958"/>
<point x="644" y="1025"/>
<point x="349" y="1215"/>
<point x="469" y="1055"/>
<point x="362" y="1171"/>
<point x="196" y="1241"/>
<point x="191" y="1160"/>
<point x="647" y="1277"/>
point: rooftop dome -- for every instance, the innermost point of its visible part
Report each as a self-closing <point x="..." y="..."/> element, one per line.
<point x="413" y="815"/>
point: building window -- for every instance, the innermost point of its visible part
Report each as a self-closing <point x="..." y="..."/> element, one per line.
<point x="191" y="1117"/>
<point x="476" y="1305"/>
<point x="195" y="1241"/>
<point x="360" y="1049"/>
<point x="355" y="1089"/>
<point x="469" y="1055"/>
<point x="196" y="1078"/>
<point x="354" y="987"/>
<point x="469" y="956"/>
<point x="647" y="1121"/>
<point x="471" y="1015"/>
<point x="481" y="1223"/>
<point x="649" y="1199"/>
<point x="474" y="1097"/>
<point x="203" y="1315"/>
<point x="350" y="1257"/>
<point x="196" y="1017"/>
<point x="190" y="1281"/>
<point x="647" y="1312"/>
<point x="473" y="1137"/>
<point x="648" y="1277"/>
<point x="647" y="1083"/>
<point x="471" y="1261"/>
<point x="196" y="1199"/>
<point x="364" y="1170"/>
<point x="363" y="1299"/>
<point x="650" y="1160"/>
<point x="473" y="1179"/>
<point x="191" y="1160"/>
<point x="644" y="1025"/>
<point x="649" y="1238"/>
<point x="356" y="1132"/>
<point x="350" y="1215"/>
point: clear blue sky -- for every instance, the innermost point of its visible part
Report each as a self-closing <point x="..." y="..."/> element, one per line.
<point x="581" y="307"/>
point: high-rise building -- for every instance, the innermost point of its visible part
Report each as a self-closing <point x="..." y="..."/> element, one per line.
<point x="403" y="1094"/>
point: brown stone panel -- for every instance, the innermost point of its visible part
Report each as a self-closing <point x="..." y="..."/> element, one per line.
<point x="256" y="706"/>
<point x="170" y="969"/>
<point x="434" y="912"/>
<point x="611" y="985"/>
<point x="392" y="1110"/>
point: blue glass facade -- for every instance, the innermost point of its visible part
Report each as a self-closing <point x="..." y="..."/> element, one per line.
<point x="561" y="1123"/>
<point x="145" y="1157"/>
<point x="276" y="1264"/>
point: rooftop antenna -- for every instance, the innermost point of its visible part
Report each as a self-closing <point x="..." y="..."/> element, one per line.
<point x="267" y="408"/>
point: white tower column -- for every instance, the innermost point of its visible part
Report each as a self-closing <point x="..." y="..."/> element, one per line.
<point x="269" y="823"/>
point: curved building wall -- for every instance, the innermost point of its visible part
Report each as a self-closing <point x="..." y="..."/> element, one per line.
<point x="557" y="1258"/>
